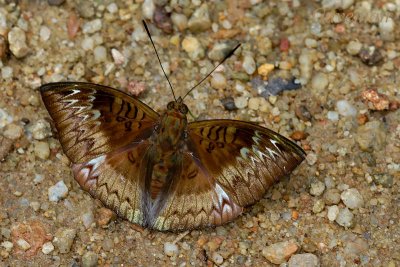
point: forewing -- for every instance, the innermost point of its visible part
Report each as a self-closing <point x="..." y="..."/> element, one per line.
<point x="117" y="179"/>
<point x="243" y="158"/>
<point x="194" y="199"/>
<point x="93" y="120"/>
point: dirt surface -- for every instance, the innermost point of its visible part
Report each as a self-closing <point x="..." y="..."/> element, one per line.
<point x="324" y="73"/>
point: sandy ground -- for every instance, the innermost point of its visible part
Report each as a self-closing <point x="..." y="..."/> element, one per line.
<point x="323" y="73"/>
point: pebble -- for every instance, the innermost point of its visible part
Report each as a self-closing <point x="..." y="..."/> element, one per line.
<point x="89" y="259"/>
<point x="170" y="249"/>
<point x="112" y="8"/>
<point x="7" y="245"/>
<point x="317" y="188"/>
<point x="354" y="47"/>
<point x="47" y="248"/>
<point x="218" y="81"/>
<point x="386" y="180"/>
<point x="55" y="2"/>
<point x="41" y="129"/>
<point x="332" y="116"/>
<point x="23" y="244"/>
<point x="179" y="20"/>
<point x="7" y="72"/>
<point x="265" y="69"/>
<point x="386" y="28"/>
<point x="352" y="198"/>
<point x="64" y="239"/>
<point x="318" y="206"/>
<point x="311" y="158"/>
<point x="319" y="82"/>
<point x="148" y="9"/>
<point x="332" y="196"/>
<point x="279" y="253"/>
<point x="38" y="179"/>
<point x="219" y="51"/>
<point x="87" y="44"/>
<point x="371" y="136"/>
<point x="58" y="191"/>
<point x="254" y="103"/>
<point x="200" y="20"/>
<point x="42" y="150"/>
<point x="85" y="8"/>
<point x="17" y="42"/>
<point x="345" y="109"/>
<point x="375" y="100"/>
<point x="370" y="56"/>
<point x="44" y="33"/>
<point x="228" y="103"/>
<point x="104" y="216"/>
<point x="87" y="219"/>
<point x="92" y="26"/>
<point x="193" y="48"/>
<point x="345" y="218"/>
<point x="100" y="54"/>
<point x="304" y="260"/>
<point x="333" y="212"/>
<point x="249" y="65"/>
<point x="13" y="131"/>
<point x="241" y="102"/>
<point x="217" y="258"/>
<point x="118" y="57"/>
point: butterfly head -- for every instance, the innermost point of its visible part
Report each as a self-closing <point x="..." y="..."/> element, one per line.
<point x="178" y="106"/>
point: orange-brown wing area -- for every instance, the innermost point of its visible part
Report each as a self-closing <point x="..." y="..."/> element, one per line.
<point x="245" y="159"/>
<point x="193" y="200"/>
<point x="117" y="179"/>
<point x="93" y="120"/>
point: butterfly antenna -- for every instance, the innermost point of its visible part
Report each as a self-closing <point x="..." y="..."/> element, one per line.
<point x="222" y="61"/>
<point x="151" y="39"/>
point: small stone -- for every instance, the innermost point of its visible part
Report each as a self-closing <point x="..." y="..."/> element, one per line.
<point x="304" y="260"/>
<point x="35" y="205"/>
<point x="85" y="8"/>
<point x="217" y="258"/>
<point x="118" y="57"/>
<point x="7" y="72"/>
<point x="228" y="103"/>
<point x="319" y="82"/>
<point x="38" y="179"/>
<point x="44" y="33"/>
<point x="42" y="150"/>
<point x="319" y="206"/>
<point x="241" y="102"/>
<point x="375" y="100"/>
<point x="87" y="219"/>
<point x="100" y="54"/>
<point x="148" y="9"/>
<point x="354" y="47"/>
<point x="279" y="253"/>
<point x="254" y="103"/>
<point x="55" y="2"/>
<point x="89" y="259"/>
<point x="219" y="51"/>
<point x="332" y="196"/>
<point x="277" y="85"/>
<point x="7" y="245"/>
<point x="64" y="239"/>
<point x="345" y="108"/>
<point x="333" y="212"/>
<point x="47" y="248"/>
<point x="162" y="19"/>
<point x="352" y="198"/>
<point x="87" y="44"/>
<point x="17" y="42"/>
<point x="265" y="69"/>
<point x="386" y="28"/>
<point x="41" y="129"/>
<point x="332" y="116"/>
<point x="105" y="216"/>
<point x="317" y="188"/>
<point x="58" y="191"/>
<point x="298" y="135"/>
<point x="311" y="158"/>
<point x="23" y="244"/>
<point x="370" y="56"/>
<point x="345" y="218"/>
<point x="193" y="48"/>
<point x="384" y="179"/>
<point x="179" y="20"/>
<point x="371" y="136"/>
<point x="249" y="65"/>
<point x="13" y="131"/>
<point x="171" y="249"/>
<point x="200" y="19"/>
<point x="92" y="26"/>
<point x="112" y="8"/>
<point x="218" y="81"/>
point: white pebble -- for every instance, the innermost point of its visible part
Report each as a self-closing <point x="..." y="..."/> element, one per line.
<point x="345" y="218"/>
<point x="218" y="81"/>
<point x="17" y="42"/>
<point x="6" y="72"/>
<point x="353" y="47"/>
<point x="333" y="212"/>
<point x="148" y="9"/>
<point x="118" y="57"/>
<point x="13" y="131"/>
<point x="317" y="188"/>
<point x="241" y="102"/>
<point x="100" y="54"/>
<point x="23" y="244"/>
<point x="386" y="28"/>
<point x="42" y="150"/>
<point x="332" y="116"/>
<point x="217" y="258"/>
<point x="192" y="47"/>
<point x="41" y="129"/>
<point x="57" y="191"/>
<point x="87" y="219"/>
<point x="345" y="108"/>
<point x="87" y="44"/>
<point x="352" y="198"/>
<point x="112" y="8"/>
<point x="7" y="245"/>
<point x="44" y="33"/>
<point x="249" y="65"/>
<point x="319" y="82"/>
<point x="47" y="248"/>
<point x="92" y="26"/>
<point x="171" y="249"/>
<point x="254" y="103"/>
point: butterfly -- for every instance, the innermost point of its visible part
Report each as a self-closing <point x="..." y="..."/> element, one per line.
<point x="159" y="170"/>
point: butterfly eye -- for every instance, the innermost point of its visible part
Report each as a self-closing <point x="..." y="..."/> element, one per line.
<point x="170" y="105"/>
<point x="183" y="109"/>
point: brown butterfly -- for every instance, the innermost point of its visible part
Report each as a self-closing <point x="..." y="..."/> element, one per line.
<point x="159" y="170"/>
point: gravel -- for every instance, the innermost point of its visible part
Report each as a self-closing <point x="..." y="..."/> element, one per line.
<point x="17" y="42"/>
<point x="42" y="150"/>
<point x="171" y="249"/>
<point x="200" y="19"/>
<point x="64" y="239"/>
<point x="317" y="188"/>
<point x="89" y="259"/>
<point x="58" y="191"/>
<point x="352" y="198"/>
<point x="47" y="248"/>
<point x="345" y="218"/>
<point x="279" y="253"/>
<point x="304" y="260"/>
<point x="13" y="131"/>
